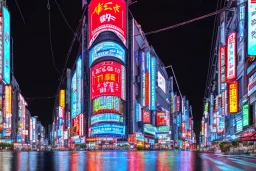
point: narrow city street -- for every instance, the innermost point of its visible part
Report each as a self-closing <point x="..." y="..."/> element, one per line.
<point x="126" y="160"/>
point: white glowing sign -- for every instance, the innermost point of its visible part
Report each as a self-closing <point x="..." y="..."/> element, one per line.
<point x="161" y="81"/>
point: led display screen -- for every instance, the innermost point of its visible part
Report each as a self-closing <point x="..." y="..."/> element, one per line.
<point x="106" y="49"/>
<point x="251" y="28"/>
<point x="33" y="129"/>
<point x="79" y="84"/>
<point x="106" y="117"/>
<point x="231" y="58"/>
<point x="107" y="15"/>
<point x="107" y="104"/>
<point x="62" y="98"/>
<point x="246" y="115"/>
<point x="222" y="69"/>
<point x="108" y="78"/>
<point x="149" y="129"/>
<point x="73" y="96"/>
<point x="233" y="97"/>
<point x="78" y="124"/>
<point x="146" y="116"/>
<point x="143" y="78"/>
<point x="160" y="119"/>
<point x="21" y="119"/>
<point x="108" y="129"/>
<point x="6" y="47"/>
<point x="163" y="129"/>
<point x="161" y="81"/>
<point x="153" y="83"/>
<point x="8" y="106"/>
<point x="138" y="112"/>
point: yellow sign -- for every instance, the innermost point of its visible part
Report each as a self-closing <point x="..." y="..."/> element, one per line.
<point x="62" y="98"/>
<point x="8" y="100"/>
<point x="233" y="98"/>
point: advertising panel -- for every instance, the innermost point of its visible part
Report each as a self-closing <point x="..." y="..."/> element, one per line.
<point x="62" y="98"/>
<point x="106" y="117"/>
<point x="251" y="27"/>
<point x="33" y="129"/>
<point x="79" y="85"/>
<point x="78" y="124"/>
<point x="160" y="119"/>
<point x="231" y="58"/>
<point x="107" y="78"/>
<point x="106" y="49"/>
<point x="21" y="118"/>
<point x="246" y="115"/>
<point x="1" y="43"/>
<point x="161" y="81"/>
<point x="223" y="34"/>
<point x="138" y="115"/>
<point x="146" y="116"/>
<point x="147" y="89"/>
<point x="143" y="78"/>
<point x="163" y="129"/>
<point x="233" y="97"/>
<point x="241" y="22"/>
<point x="1" y="105"/>
<point x="107" y="104"/>
<point x="222" y="69"/>
<point x="6" y="47"/>
<point x="153" y="84"/>
<point x="8" y="106"/>
<point x="252" y="84"/>
<point x="149" y="129"/>
<point x="107" y="15"/>
<point x="73" y="96"/>
<point x="178" y="104"/>
<point x="239" y="123"/>
<point x="108" y="129"/>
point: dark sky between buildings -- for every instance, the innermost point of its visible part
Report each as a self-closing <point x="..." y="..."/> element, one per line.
<point x="186" y="48"/>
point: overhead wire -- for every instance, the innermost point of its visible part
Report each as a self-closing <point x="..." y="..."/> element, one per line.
<point x="40" y="97"/>
<point x="20" y="11"/>
<point x="50" y="36"/>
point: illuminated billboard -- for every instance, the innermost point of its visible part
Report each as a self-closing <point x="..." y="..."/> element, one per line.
<point x="160" y="119"/>
<point x="233" y="97"/>
<point x="8" y="106"/>
<point x="6" y="47"/>
<point x="73" y="96"/>
<point x="138" y="116"/>
<point x="178" y="103"/>
<point x="1" y="43"/>
<point x="107" y="15"/>
<point x="21" y="118"/>
<point x="108" y="78"/>
<point x="222" y="69"/>
<point x="231" y="58"/>
<point x="106" y="49"/>
<point x="143" y="79"/>
<point x="246" y="115"/>
<point x="161" y="81"/>
<point x="108" y="129"/>
<point x="146" y="116"/>
<point x="252" y="84"/>
<point x="149" y="129"/>
<point x="34" y="129"/>
<point x="163" y="129"/>
<point x="62" y="98"/>
<point x="79" y="84"/>
<point x="78" y="124"/>
<point x="251" y="28"/>
<point x="106" y="117"/>
<point x="153" y="83"/>
<point x="107" y="104"/>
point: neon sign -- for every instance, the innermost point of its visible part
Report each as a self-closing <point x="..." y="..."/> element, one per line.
<point x="231" y="58"/>
<point x="153" y="84"/>
<point x="251" y="27"/>
<point x="108" y="129"/>
<point x="6" y="46"/>
<point x="106" y="49"/>
<point x="233" y="98"/>
<point x="107" y="104"/>
<point x="106" y="117"/>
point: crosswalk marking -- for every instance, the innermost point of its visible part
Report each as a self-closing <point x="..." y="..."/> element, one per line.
<point x="221" y="165"/>
<point x="242" y="162"/>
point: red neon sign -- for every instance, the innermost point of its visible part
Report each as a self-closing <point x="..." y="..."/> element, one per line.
<point x="147" y="87"/>
<point x="107" y="15"/>
<point x="107" y="78"/>
<point x="78" y="123"/>
<point x="146" y="117"/>
<point x="231" y="58"/>
<point x="161" y="119"/>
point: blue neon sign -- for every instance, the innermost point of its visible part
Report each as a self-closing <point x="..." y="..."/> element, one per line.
<point x="138" y="112"/>
<point x="73" y="96"/>
<point x="6" y="45"/>
<point x="79" y="86"/>
<point x="153" y="83"/>
<point x="105" y="49"/>
<point x="106" y="117"/>
<point x="251" y="28"/>
<point x="108" y="129"/>
<point x="149" y="129"/>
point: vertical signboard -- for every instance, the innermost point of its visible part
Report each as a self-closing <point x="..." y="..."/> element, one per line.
<point x="222" y="64"/>
<point x="62" y="98"/>
<point x="107" y="15"/>
<point x="79" y="85"/>
<point x="6" y="47"/>
<point x="231" y="58"/>
<point x="233" y="97"/>
<point x="246" y="115"/>
<point x="143" y="78"/>
<point x="241" y="22"/>
<point x="153" y="83"/>
<point x="147" y="80"/>
<point x="1" y="46"/>
<point x="8" y="110"/>
<point x="251" y="28"/>
<point x="73" y="96"/>
<point x="138" y="112"/>
<point x="1" y="104"/>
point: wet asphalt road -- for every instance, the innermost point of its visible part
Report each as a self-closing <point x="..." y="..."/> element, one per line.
<point x="123" y="160"/>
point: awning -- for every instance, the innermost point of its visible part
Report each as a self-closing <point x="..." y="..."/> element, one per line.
<point x="250" y="136"/>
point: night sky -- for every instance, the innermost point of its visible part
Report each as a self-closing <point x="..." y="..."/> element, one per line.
<point x="186" y="48"/>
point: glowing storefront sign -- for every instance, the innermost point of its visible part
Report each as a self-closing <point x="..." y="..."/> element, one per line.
<point x="106" y="117"/>
<point x="78" y="124"/>
<point x="107" y="15"/>
<point x="160" y="118"/>
<point x="6" y="47"/>
<point x="222" y="69"/>
<point x="107" y="104"/>
<point x="73" y="96"/>
<point x="138" y="115"/>
<point x="246" y="115"/>
<point x="251" y="27"/>
<point x="106" y="49"/>
<point x="62" y="98"/>
<point x="231" y="58"/>
<point x="8" y="106"/>
<point x="161" y="81"/>
<point x="108" y="78"/>
<point x="233" y="97"/>
<point x="153" y="83"/>
<point x="108" y="129"/>
<point x="150" y="129"/>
